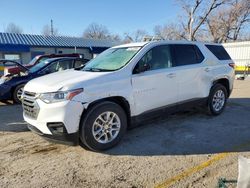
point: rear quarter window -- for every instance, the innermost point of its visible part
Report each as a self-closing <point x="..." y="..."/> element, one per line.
<point x="219" y="52"/>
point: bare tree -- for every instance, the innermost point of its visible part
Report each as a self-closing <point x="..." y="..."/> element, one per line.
<point x="196" y="13"/>
<point x="136" y="36"/>
<point x="47" y="31"/>
<point x="169" y="32"/>
<point x="96" y="31"/>
<point x="227" y="23"/>
<point x="114" y="37"/>
<point x="13" y="28"/>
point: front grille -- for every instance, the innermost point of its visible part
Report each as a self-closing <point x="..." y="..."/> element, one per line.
<point x="30" y="106"/>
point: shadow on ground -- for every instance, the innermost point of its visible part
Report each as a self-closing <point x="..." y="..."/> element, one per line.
<point x="11" y="119"/>
<point x="191" y="133"/>
<point x="188" y="133"/>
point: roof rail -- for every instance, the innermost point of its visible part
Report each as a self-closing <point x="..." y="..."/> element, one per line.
<point x="148" y="38"/>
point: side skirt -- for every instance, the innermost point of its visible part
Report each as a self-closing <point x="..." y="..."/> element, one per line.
<point x="164" y="111"/>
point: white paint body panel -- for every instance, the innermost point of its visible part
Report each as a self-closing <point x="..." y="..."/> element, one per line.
<point x="144" y="92"/>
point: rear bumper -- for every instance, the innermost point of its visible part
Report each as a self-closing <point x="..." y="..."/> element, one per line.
<point x="5" y="92"/>
<point x="64" y="138"/>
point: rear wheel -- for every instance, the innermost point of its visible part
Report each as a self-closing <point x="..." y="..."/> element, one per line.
<point x="103" y="126"/>
<point x="217" y="99"/>
<point x="17" y="94"/>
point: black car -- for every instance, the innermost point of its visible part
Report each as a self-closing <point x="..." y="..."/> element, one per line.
<point x="11" y="85"/>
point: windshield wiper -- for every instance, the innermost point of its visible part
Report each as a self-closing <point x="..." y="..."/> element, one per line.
<point x="96" y="70"/>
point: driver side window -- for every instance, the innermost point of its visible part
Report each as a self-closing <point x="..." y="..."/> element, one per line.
<point x="157" y="58"/>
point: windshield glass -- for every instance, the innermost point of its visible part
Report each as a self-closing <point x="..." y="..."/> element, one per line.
<point x="112" y="59"/>
<point x="33" y="61"/>
<point x="38" y="66"/>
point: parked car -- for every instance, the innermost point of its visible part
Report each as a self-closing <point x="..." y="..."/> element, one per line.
<point x="124" y="86"/>
<point x="11" y="85"/>
<point x="37" y="59"/>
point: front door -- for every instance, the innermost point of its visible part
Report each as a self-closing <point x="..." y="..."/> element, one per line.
<point x="157" y="86"/>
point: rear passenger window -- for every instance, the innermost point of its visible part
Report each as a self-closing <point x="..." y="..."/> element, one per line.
<point x="187" y="54"/>
<point x="219" y="51"/>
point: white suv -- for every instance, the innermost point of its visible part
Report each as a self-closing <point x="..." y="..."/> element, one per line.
<point x="125" y="85"/>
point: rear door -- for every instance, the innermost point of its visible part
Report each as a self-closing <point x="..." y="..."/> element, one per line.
<point x="157" y="86"/>
<point x="188" y="62"/>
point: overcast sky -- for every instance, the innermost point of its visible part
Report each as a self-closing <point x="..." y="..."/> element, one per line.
<point x="71" y="17"/>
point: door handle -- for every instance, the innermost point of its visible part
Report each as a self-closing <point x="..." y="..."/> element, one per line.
<point x="207" y="69"/>
<point x="171" y="75"/>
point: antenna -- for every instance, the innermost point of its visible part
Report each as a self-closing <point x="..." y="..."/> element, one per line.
<point x="51" y="28"/>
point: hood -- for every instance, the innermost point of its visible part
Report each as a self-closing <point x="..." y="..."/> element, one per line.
<point x="68" y="79"/>
<point x="5" y="61"/>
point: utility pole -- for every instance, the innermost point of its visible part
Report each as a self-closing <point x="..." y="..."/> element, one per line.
<point x="51" y="28"/>
<point x="191" y="25"/>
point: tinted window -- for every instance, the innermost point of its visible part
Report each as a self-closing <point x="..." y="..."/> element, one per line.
<point x="186" y="54"/>
<point x="199" y="55"/>
<point x="157" y="58"/>
<point x="219" y="52"/>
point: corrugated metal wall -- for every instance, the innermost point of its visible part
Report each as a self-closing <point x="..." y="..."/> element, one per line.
<point x="239" y="52"/>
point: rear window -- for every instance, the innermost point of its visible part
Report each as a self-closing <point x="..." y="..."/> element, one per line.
<point x="219" y="52"/>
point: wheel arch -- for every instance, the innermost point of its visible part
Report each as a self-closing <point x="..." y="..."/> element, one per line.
<point x="14" y="87"/>
<point x="121" y="101"/>
<point x="225" y="83"/>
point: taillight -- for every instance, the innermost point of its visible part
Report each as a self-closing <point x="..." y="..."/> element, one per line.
<point x="232" y="65"/>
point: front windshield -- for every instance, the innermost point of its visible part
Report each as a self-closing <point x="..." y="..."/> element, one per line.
<point x="112" y="59"/>
<point x="33" y="61"/>
<point x="38" y="66"/>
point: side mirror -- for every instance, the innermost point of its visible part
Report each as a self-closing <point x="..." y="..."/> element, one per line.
<point x="145" y="67"/>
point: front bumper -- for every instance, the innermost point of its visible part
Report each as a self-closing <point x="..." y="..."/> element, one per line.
<point x="5" y="92"/>
<point x="69" y="139"/>
<point x="68" y="113"/>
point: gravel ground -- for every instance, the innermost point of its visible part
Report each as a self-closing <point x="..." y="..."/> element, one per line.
<point x="170" y="150"/>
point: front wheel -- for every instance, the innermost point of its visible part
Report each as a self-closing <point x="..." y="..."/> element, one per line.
<point x="17" y="94"/>
<point x="103" y="126"/>
<point x="217" y="99"/>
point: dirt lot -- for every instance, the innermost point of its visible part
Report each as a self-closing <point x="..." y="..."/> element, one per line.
<point x="183" y="150"/>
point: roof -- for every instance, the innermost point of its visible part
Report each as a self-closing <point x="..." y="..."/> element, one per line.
<point x="139" y="44"/>
<point x="58" y="58"/>
<point x="52" y="41"/>
<point x="160" y="42"/>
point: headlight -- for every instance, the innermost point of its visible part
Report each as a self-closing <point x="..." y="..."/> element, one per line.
<point x="59" y="96"/>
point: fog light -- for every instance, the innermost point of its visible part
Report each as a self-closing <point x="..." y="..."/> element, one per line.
<point x="57" y="128"/>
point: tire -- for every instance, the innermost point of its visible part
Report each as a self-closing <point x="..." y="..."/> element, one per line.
<point x="217" y="99"/>
<point x="16" y="94"/>
<point x="96" y="131"/>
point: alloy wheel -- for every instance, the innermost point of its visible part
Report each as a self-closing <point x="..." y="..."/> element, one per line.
<point x="106" y="127"/>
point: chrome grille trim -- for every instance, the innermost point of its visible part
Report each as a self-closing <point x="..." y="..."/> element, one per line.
<point x="30" y="106"/>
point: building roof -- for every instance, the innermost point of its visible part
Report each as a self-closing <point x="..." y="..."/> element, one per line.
<point x="51" y="41"/>
<point x="237" y="44"/>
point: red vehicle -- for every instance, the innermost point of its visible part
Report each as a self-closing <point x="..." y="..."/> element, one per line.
<point x="36" y="60"/>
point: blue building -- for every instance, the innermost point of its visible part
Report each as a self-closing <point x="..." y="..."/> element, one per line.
<point x="24" y="47"/>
